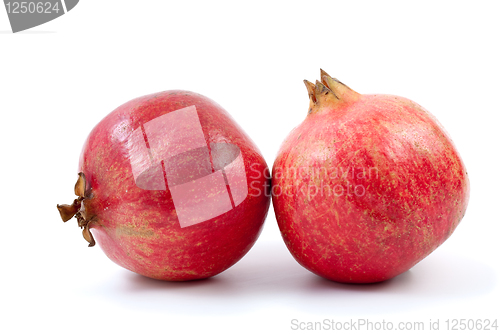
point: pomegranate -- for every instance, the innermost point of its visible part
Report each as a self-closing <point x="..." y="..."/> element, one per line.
<point x="367" y="186"/>
<point x="170" y="187"/>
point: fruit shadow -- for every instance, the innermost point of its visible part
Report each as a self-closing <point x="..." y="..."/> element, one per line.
<point x="268" y="277"/>
<point x="26" y="32"/>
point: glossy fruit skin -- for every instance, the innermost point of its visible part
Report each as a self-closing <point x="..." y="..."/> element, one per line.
<point x="381" y="186"/>
<point x="139" y="228"/>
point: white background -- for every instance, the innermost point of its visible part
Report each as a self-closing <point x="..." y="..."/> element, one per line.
<point x="60" y="79"/>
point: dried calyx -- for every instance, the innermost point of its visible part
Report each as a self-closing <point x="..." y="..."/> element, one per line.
<point x="328" y="92"/>
<point x="77" y="209"/>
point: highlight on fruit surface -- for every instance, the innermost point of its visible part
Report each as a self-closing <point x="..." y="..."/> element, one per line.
<point x="170" y="187"/>
<point x="367" y="186"/>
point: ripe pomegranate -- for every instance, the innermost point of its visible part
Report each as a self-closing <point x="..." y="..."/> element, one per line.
<point x="170" y="187"/>
<point x="367" y="186"/>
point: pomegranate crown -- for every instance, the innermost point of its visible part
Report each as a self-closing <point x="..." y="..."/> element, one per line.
<point x="329" y="92"/>
<point x="77" y="208"/>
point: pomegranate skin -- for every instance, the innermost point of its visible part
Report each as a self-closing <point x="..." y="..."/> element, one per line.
<point x="367" y="186"/>
<point x="177" y="189"/>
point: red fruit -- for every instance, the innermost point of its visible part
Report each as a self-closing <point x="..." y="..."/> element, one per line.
<point x="367" y="185"/>
<point x="170" y="187"/>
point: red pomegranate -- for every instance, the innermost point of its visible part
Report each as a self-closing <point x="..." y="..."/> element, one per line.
<point x="367" y="186"/>
<point x="170" y="187"/>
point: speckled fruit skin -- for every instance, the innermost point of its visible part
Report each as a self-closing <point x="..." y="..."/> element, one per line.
<point x="139" y="229"/>
<point x="381" y="185"/>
